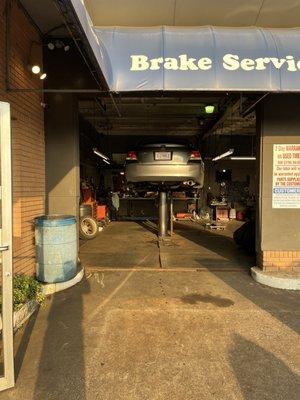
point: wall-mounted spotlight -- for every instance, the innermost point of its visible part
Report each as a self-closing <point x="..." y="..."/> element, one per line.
<point x="44" y="105"/>
<point x="35" y="69"/>
<point x="34" y="58"/>
<point x="51" y="46"/>
<point x="58" y="44"/>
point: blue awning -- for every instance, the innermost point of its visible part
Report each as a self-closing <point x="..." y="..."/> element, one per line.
<point x="195" y="58"/>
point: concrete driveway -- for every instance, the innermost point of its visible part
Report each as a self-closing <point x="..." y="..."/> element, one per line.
<point x="181" y="321"/>
<point x="161" y="335"/>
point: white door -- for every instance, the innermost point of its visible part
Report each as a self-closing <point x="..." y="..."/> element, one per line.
<point x="7" y="354"/>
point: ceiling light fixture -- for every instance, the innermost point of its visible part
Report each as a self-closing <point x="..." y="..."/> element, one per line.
<point x="209" y="109"/>
<point x="98" y="153"/>
<point x="226" y="154"/>
<point x="43" y="76"/>
<point x="106" y="161"/>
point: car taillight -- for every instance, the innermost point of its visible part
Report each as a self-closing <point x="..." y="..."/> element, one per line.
<point x="131" y="155"/>
<point x="195" y="155"/>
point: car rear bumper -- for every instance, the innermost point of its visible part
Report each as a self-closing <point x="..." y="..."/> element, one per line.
<point x="137" y="172"/>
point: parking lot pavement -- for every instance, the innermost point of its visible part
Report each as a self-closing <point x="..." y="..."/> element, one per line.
<point x="161" y="335"/>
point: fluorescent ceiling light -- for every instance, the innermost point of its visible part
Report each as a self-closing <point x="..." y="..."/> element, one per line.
<point x="242" y="158"/>
<point x="100" y="154"/>
<point x="228" y="153"/>
<point x="106" y="161"/>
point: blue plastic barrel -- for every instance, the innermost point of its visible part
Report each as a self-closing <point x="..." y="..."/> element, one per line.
<point x="56" y="248"/>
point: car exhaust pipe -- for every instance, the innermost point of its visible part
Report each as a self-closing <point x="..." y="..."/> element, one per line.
<point x="189" y="183"/>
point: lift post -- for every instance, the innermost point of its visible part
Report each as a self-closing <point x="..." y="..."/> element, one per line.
<point x="162" y="224"/>
<point x="171" y="215"/>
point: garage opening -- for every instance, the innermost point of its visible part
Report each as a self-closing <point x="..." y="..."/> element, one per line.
<point x="219" y="128"/>
<point x="219" y="93"/>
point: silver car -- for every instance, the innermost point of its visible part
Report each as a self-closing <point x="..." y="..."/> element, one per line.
<point x="170" y="164"/>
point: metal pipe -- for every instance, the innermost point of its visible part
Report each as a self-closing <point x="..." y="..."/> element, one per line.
<point x="252" y="106"/>
<point x="93" y="72"/>
<point x="29" y="17"/>
<point x="62" y="12"/>
<point x="7" y="43"/>
<point x="171" y="216"/>
<point x="162" y="225"/>
<point x="87" y="91"/>
<point x="115" y="105"/>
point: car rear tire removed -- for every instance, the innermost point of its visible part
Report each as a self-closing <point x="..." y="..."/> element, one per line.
<point x="88" y="228"/>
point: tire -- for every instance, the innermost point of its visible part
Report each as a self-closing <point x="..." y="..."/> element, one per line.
<point x="85" y="210"/>
<point x="88" y="228"/>
<point x="245" y="237"/>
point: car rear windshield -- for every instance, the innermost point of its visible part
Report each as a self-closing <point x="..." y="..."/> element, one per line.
<point x="164" y="145"/>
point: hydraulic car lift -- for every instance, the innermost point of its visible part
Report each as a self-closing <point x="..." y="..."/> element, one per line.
<point x="163" y="214"/>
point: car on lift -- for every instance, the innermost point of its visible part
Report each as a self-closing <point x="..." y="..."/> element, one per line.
<point x="172" y="165"/>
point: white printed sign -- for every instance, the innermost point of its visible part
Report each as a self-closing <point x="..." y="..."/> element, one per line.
<point x="286" y="176"/>
<point x="231" y="62"/>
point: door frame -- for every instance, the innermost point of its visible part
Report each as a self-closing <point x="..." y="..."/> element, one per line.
<point x="8" y="380"/>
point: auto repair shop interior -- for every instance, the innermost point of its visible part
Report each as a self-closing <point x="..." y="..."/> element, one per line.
<point x="213" y="123"/>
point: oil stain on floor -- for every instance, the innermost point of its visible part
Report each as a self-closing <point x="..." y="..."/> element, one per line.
<point x="195" y="298"/>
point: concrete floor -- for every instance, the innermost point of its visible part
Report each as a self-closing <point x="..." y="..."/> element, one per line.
<point x="121" y="245"/>
<point x="134" y="245"/>
<point x="160" y="334"/>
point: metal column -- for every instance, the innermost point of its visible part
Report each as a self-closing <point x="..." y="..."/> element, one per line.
<point x="6" y="381"/>
<point x="162" y="225"/>
<point x="171" y="215"/>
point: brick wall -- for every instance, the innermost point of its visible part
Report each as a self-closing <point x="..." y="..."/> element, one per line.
<point x="279" y="260"/>
<point x="28" y="148"/>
